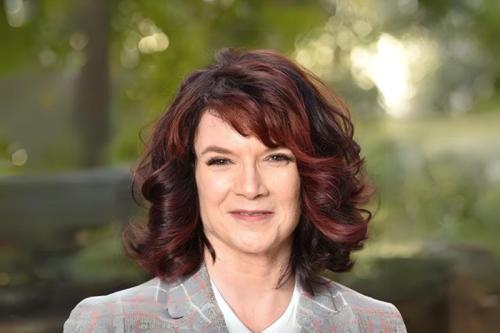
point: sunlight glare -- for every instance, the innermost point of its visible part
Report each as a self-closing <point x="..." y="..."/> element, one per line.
<point x="388" y="68"/>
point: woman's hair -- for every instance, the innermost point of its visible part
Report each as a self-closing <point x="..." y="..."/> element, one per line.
<point x="264" y="94"/>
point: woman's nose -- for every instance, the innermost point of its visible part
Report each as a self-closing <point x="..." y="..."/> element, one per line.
<point x="249" y="182"/>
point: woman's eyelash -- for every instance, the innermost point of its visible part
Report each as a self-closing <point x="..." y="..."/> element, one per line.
<point x="217" y="161"/>
<point x="281" y="157"/>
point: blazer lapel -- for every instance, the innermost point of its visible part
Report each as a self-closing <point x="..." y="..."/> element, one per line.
<point x="193" y="304"/>
<point x="326" y="311"/>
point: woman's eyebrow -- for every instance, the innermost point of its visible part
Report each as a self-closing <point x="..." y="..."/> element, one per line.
<point x="221" y="150"/>
<point x="216" y="149"/>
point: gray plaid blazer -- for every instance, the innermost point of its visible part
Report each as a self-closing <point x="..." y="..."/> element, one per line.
<point x="190" y="306"/>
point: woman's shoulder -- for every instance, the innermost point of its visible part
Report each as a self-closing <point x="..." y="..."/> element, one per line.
<point x="368" y="310"/>
<point x="103" y="313"/>
<point x="359" y="301"/>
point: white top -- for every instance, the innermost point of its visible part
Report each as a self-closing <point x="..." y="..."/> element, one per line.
<point x="285" y="323"/>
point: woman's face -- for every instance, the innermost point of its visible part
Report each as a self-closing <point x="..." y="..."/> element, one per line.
<point x="248" y="193"/>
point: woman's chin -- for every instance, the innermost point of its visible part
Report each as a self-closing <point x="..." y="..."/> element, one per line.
<point x="255" y="247"/>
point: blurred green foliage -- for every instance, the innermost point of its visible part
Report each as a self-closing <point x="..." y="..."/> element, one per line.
<point x="430" y="185"/>
<point x="443" y="182"/>
<point x="421" y="77"/>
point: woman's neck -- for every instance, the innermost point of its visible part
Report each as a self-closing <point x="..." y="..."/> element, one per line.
<point x="248" y="284"/>
<point x="262" y="271"/>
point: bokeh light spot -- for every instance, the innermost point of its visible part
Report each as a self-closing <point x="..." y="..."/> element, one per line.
<point x="78" y="41"/>
<point x="156" y="42"/>
<point x="19" y="157"/>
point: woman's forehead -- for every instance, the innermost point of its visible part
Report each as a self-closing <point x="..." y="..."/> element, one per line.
<point x="215" y="134"/>
<point x="213" y="131"/>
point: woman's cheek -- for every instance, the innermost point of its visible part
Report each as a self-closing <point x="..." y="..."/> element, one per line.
<point x="219" y="183"/>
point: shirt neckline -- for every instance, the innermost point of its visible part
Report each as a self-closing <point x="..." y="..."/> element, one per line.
<point x="233" y="320"/>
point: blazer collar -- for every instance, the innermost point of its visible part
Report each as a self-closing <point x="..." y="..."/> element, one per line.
<point x="192" y="301"/>
<point x="326" y="311"/>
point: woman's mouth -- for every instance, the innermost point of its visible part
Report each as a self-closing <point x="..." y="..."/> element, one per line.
<point x="248" y="215"/>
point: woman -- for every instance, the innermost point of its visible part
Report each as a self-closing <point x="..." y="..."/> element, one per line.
<point x="255" y="187"/>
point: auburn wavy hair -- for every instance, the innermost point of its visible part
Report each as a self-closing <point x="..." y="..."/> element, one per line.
<point x="260" y="93"/>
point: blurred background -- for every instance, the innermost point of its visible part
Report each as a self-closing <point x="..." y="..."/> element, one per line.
<point x="80" y="80"/>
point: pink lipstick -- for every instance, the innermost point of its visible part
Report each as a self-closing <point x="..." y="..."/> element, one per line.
<point x="251" y="215"/>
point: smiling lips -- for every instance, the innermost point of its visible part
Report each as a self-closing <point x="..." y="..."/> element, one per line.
<point x="251" y="215"/>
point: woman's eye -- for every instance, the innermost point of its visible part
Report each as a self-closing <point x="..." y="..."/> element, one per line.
<point x="280" y="158"/>
<point x="218" y="161"/>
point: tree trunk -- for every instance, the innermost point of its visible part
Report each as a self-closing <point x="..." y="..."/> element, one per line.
<point x="92" y="96"/>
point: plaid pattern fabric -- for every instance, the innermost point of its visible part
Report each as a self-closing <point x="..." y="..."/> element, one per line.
<point x="190" y="306"/>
